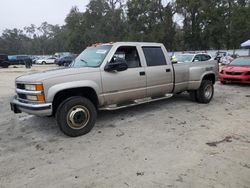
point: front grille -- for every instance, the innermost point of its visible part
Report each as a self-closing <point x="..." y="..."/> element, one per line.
<point x="20" y="86"/>
<point x="234" y="73"/>
<point x="232" y="79"/>
<point x="21" y="96"/>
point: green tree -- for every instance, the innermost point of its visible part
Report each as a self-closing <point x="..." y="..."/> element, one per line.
<point x="103" y="21"/>
<point x="191" y="10"/>
<point x="151" y="21"/>
<point x="75" y="30"/>
<point x="13" y="41"/>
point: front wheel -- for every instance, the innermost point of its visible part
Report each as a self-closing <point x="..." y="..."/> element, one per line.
<point x="76" y="116"/>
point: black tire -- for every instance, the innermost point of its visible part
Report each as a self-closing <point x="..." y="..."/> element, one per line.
<point x="76" y="116"/>
<point x="27" y="65"/>
<point x="193" y="96"/>
<point x="223" y="82"/>
<point x="206" y="92"/>
<point x="4" y="65"/>
<point x="43" y="62"/>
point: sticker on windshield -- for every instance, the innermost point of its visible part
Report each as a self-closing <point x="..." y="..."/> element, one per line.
<point x="101" y="51"/>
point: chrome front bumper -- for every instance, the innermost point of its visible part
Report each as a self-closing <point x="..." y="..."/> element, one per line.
<point x="44" y="109"/>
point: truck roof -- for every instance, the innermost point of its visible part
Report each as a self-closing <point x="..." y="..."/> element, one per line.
<point x="130" y="43"/>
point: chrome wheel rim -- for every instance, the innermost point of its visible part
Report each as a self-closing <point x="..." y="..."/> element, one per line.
<point x="78" y="117"/>
<point x="208" y="92"/>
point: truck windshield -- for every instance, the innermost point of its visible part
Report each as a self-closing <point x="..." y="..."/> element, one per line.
<point x="185" y="58"/>
<point x="91" y="56"/>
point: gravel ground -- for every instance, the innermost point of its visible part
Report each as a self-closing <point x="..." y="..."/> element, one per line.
<point x="169" y="143"/>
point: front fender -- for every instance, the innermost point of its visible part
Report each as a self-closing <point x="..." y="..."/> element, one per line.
<point x="53" y="90"/>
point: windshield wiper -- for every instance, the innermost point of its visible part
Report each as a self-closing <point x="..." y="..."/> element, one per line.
<point x="84" y="61"/>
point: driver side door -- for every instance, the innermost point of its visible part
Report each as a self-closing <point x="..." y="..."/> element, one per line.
<point x="128" y="85"/>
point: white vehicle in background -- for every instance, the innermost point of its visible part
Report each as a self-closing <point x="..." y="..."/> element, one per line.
<point x="191" y="57"/>
<point x="49" y="60"/>
<point x="226" y="59"/>
<point x="62" y="54"/>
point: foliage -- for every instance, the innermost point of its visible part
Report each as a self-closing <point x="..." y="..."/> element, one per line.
<point x="206" y="24"/>
<point x="45" y="39"/>
<point x="214" y="24"/>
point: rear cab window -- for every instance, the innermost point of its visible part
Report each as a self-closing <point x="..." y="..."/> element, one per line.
<point x="154" y="56"/>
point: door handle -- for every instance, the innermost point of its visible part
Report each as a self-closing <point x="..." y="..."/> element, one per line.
<point x="168" y="70"/>
<point x="142" y="73"/>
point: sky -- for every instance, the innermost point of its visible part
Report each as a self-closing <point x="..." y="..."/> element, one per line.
<point x="21" y="13"/>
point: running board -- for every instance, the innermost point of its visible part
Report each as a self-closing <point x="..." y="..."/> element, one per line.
<point x="135" y="103"/>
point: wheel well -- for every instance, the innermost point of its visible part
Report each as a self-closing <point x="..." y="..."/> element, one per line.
<point x="210" y="77"/>
<point x="83" y="91"/>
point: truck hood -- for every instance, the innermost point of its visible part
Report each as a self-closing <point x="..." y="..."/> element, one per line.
<point x="41" y="76"/>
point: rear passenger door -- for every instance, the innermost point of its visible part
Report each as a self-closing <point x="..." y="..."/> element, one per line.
<point x="158" y="73"/>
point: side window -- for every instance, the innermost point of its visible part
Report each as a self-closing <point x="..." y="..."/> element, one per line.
<point x="198" y="58"/>
<point x="154" y="56"/>
<point x="203" y="57"/>
<point x="207" y="57"/>
<point x="130" y="54"/>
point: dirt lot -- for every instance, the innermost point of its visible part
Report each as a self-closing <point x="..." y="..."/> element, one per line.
<point x="162" y="144"/>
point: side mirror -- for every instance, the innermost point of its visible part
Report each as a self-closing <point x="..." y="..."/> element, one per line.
<point x="117" y="64"/>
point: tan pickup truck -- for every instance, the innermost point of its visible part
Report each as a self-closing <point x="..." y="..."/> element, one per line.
<point x="109" y="77"/>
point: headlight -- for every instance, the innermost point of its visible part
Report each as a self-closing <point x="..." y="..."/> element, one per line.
<point x="34" y="87"/>
<point x="30" y="87"/>
<point x="31" y="97"/>
<point x="40" y="98"/>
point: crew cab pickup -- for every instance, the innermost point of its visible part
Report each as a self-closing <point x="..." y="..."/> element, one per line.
<point x="109" y="77"/>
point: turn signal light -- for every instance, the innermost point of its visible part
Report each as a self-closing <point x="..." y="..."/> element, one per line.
<point x="39" y="87"/>
<point x="41" y="98"/>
